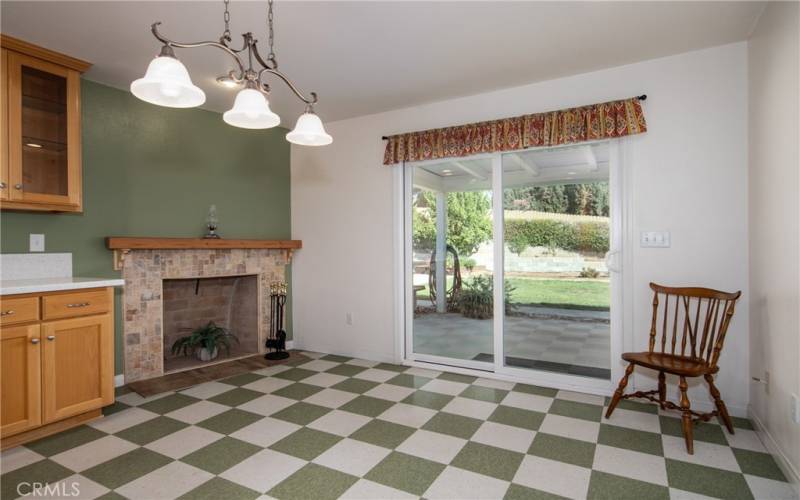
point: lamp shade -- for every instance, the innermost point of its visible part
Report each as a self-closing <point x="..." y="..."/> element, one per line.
<point x="167" y="83"/>
<point x="251" y="110"/>
<point x="309" y="131"/>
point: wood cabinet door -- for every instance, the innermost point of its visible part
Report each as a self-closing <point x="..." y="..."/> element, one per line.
<point x="20" y="379"/>
<point x="77" y="365"/>
<point x="4" y="125"/>
<point x="44" y="141"/>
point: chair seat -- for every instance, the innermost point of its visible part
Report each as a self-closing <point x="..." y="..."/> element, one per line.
<point x="677" y="365"/>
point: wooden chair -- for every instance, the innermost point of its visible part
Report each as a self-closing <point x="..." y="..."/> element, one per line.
<point x="693" y="324"/>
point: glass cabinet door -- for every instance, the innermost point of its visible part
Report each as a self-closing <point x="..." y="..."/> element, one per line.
<point x="43" y="132"/>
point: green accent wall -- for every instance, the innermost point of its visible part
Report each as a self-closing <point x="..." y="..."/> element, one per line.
<point x="154" y="171"/>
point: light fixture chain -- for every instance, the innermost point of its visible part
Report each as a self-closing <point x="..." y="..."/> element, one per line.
<point x="271" y="56"/>
<point x="226" y="35"/>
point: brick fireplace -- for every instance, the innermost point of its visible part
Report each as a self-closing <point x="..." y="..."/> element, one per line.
<point x="157" y="276"/>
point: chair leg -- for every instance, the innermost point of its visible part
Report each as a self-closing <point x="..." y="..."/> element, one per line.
<point x="618" y="393"/>
<point x="662" y="389"/>
<point x="721" y="408"/>
<point x="688" y="434"/>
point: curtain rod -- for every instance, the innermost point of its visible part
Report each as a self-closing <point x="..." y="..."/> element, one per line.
<point x="642" y="97"/>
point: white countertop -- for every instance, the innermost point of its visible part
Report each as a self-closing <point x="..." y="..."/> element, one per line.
<point x="10" y="287"/>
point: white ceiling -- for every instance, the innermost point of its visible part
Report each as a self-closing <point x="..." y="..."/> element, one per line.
<point x="368" y="57"/>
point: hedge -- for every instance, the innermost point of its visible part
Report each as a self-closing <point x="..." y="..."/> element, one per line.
<point x="570" y="236"/>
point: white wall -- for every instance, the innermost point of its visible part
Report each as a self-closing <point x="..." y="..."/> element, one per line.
<point x="774" y="179"/>
<point x="689" y="177"/>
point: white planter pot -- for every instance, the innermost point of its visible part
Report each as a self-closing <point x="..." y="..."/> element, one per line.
<point x="204" y="355"/>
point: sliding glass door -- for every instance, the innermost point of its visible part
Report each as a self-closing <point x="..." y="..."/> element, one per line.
<point x="508" y="264"/>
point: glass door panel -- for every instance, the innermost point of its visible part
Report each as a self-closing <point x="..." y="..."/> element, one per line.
<point x="451" y="262"/>
<point x="556" y="220"/>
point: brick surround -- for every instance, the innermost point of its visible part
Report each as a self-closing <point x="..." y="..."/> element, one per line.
<point x="144" y="272"/>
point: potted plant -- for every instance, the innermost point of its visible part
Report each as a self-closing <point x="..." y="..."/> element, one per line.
<point x="204" y="342"/>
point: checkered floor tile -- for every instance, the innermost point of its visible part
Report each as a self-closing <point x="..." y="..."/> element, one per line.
<point x="335" y="427"/>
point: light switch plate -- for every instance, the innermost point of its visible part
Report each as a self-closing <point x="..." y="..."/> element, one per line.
<point x="654" y="239"/>
<point x="36" y="243"/>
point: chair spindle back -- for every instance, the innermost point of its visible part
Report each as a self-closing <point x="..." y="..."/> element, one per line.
<point x="693" y="321"/>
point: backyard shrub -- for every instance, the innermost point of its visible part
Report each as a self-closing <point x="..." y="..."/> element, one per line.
<point x="469" y="264"/>
<point x="475" y="299"/>
<point x="570" y="236"/>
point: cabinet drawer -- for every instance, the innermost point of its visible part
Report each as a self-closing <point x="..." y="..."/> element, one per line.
<point x="18" y="310"/>
<point x="68" y="305"/>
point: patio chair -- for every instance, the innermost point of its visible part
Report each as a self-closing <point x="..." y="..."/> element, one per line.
<point x="693" y="323"/>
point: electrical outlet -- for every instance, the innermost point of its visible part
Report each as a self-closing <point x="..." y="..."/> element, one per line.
<point x="348" y="319"/>
<point x="654" y="239"/>
<point x="36" y="243"/>
<point x="795" y="409"/>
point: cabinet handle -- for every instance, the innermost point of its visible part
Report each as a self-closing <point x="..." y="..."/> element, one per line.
<point x="51" y="337"/>
<point x="34" y="341"/>
<point x="2" y="185"/>
<point x="18" y="186"/>
<point x="79" y="304"/>
<point x="7" y="313"/>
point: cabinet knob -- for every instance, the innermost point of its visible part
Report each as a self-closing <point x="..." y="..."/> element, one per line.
<point x="2" y="185"/>
<point x="51" y="337"/>
<point x="34" y="341"/>
<point x="18" y="186"/>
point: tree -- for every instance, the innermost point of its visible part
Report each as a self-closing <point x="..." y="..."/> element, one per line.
<point x="468" y="221"/>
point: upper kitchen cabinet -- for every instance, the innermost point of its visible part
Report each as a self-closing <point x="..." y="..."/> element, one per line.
<point x="41" y="136"/>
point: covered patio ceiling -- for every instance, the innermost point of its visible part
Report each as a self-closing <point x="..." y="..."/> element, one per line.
<point x="566" y="164"/>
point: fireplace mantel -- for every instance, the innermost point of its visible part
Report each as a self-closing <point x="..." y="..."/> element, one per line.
<point x="122" y="245"/>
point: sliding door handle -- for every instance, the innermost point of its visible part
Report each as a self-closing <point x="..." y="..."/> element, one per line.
<point x="611" y="261"/>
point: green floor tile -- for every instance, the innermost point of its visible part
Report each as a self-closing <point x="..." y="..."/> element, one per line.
<point x="168" y="403"/>
<point x="153" y="429"/>
<point x="301" y="413"/>
<point x="236" y="397"/>
<point x="391" y="367"/>
<point x="742" y="423"/>
<point x="574" y="409"/>
<point x="382" y="433"/>
<point x="117" y="407"/>
<point x="63" y="441"/>
<point x="411" y="381"/>
<point x="335" y="358"/>
<point x="484" y="393"/>
<point x="405" y="472"/>
<point x="603" y="486"/>
<point x="488" y="460"/>
<point x="221" y="455"/>
<point x="111" y="495"/>
<point x="707" y="480"/>
<point x="535" y="389"/>
<point x="627" y="404"/>
<point x="43" y="471"/>
<point x="218" y="488"/>
<point x="758" y="464"/>
<point x="631" y="439"/>
<point x="229" y="421"/>
<point x="367" y="406"/>
<point x="457" y="377"/>
<point x="298" y="391"/>
<point x="125" y="468"/>
<point x="427" y="399"/>
<point x="517" y="417"/>
<point x="346" y="370"/>
<point x="519" y="492"/>
<point x="243" y="379"/>
<point x="313" y="481"/>
<point x="295" y="374"/>
<point x="306" y="443"/>
<point x="704" y="431"/>
<point x="571" y="451"/>
<point x="355" y="385"/>
<point x="453" y="425"/>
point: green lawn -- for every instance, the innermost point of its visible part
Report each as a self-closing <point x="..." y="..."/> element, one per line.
<point x="573" y="294"/>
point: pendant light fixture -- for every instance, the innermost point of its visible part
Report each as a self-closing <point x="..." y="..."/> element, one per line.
<point x="167" y="83"/>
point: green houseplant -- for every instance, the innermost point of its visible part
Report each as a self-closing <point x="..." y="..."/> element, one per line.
<point x="204" y="342"/>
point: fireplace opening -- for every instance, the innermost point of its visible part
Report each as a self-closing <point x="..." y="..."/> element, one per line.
<point x="229" y="302"/>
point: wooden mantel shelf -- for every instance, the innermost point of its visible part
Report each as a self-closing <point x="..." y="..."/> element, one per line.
<point x="122" y="245"/>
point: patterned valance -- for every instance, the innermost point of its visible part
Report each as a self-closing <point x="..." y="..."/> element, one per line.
<point x="586" y="123"/>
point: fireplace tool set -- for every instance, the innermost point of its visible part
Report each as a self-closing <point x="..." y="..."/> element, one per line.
<point x="277" y="335"/>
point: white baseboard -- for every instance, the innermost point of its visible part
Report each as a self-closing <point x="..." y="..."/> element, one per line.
<point x="119" y="380"/>
<point x="775" y="449"/>
<point x="357" y="353"/>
